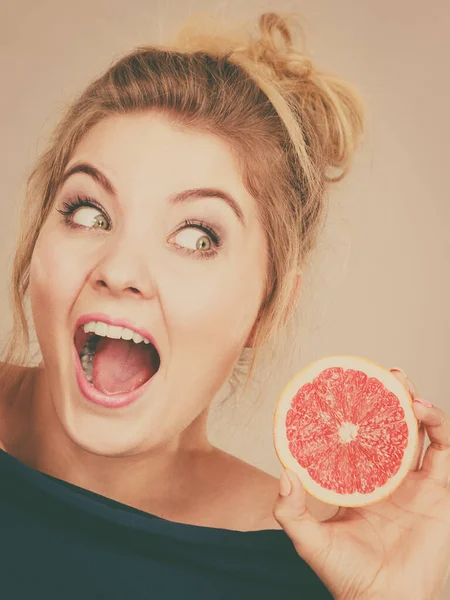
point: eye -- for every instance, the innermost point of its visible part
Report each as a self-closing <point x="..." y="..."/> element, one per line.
<point x="80" y="212"/>
<point x="193" y="239"/>
<point x="83" y="213"/>
<point x="89" y="217"/>
<point x="202" y="239"/>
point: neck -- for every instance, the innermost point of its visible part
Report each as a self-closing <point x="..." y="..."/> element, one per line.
<point x="162" y="481"/>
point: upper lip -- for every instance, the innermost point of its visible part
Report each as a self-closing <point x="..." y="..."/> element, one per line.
<point x="118" y="322"/>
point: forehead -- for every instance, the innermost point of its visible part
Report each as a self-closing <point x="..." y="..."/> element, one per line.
<point x="140" y="149"/>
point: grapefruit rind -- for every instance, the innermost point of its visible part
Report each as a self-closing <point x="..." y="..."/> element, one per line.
<point x="371" y="369"/>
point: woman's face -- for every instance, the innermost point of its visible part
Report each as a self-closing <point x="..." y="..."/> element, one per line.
<point x="133" y="257"/>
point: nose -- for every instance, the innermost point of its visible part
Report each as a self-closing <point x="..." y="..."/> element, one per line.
<point x="124" y="270"/>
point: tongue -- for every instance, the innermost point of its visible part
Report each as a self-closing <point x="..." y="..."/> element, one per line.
<point x="120" y="366"/>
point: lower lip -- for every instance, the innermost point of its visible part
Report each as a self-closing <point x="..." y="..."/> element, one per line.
<point x="97" y="397"/>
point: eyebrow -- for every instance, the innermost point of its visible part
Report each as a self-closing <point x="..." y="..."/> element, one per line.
<point x="174" y="199"/>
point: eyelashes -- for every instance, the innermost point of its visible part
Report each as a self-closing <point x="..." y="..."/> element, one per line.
<point x="71" y="205"/>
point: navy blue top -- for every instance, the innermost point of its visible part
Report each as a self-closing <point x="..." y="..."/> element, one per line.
<point x="59" y="541"/>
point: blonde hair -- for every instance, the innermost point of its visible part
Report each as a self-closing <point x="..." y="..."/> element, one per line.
<point x="286" y="121"/>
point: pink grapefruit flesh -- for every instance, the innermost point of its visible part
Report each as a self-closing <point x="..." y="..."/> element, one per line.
<point x="346" y="426"/>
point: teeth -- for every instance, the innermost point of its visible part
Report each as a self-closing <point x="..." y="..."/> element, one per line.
<point x="89" y="327"/>
<point x="101" y="328"/>
<point x="127" y="334"/>
<point x="114" y="332"/>
<point x="87" y="364"/>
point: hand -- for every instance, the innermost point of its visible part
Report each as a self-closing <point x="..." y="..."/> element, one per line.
<point x="396" y="548"/>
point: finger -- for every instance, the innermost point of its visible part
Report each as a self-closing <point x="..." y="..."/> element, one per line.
<point x="417" y="460"/>
<point x="309" y="536"/>
<point x="436" y="461"/>
<point x="404" y="379"/>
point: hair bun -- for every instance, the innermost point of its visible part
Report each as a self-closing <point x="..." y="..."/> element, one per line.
<point x="329" y="111"/>
<point x="275" y="49"/>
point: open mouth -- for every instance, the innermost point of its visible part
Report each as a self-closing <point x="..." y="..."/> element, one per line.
<point x="115" y="366"/>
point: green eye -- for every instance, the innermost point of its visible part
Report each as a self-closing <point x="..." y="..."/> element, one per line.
<point x="190" y="237"/>
<point x="203" y="246"/>
<point x="75" y="206"/>
<point x="85" y="213"/>
<point x="86" y="220"/>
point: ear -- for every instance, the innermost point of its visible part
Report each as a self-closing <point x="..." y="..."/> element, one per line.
<point x="295" y="294"/>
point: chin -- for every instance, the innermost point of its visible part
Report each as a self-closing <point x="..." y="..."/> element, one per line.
<point x="105" y="431"/>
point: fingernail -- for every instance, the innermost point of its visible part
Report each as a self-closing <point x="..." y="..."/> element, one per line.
<point x="400" y="371"/>
<point x="285" y="484"/>
<point x="424" y="402"/>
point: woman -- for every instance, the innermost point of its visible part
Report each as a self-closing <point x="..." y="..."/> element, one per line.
<point x="164" y="231"/>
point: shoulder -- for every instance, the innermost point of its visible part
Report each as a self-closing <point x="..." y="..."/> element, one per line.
<point x="11" y="377"/>
<point x="16" y="383"/>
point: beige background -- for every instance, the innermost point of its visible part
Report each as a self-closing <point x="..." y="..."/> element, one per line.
<point x="379" y="286"/>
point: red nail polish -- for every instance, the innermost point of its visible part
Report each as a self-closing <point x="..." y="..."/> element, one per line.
<point x="400" y="371"/>
<point x="424" y="402"/>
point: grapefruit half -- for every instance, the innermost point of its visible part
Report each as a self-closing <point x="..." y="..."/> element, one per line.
<point x="346" y="426"/>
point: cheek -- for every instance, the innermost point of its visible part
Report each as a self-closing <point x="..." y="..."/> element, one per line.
<point x="213" y="312"/>
<point x="53" y="280"/>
